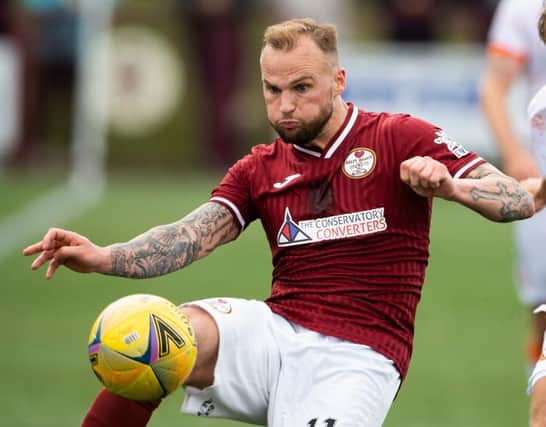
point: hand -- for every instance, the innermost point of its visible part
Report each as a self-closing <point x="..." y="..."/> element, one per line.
<point x="427" y="177"/>
<point x="537" y="188"/>
<point x="62" y="247"/>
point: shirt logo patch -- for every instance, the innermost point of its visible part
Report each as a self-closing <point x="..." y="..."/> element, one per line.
<point x="359" y="163"/>
<point x="457" y="149"/>
<point x="343" y="226"/>
<point x="287" y="180"/>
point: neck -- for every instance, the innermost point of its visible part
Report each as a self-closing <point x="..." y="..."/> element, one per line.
<point x="332" y="126"/>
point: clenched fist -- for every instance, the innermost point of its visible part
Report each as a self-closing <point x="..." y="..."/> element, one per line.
<point x="427" y="177"/>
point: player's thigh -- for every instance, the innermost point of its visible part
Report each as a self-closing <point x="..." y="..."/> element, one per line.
<point x="329" y="382"/>
<point x="349" y="399"/>
<point x="247" y="364"/>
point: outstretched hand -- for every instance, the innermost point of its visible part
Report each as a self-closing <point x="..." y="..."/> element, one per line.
<point x="63" y="247"/>
<point x="537" y="188"/>
<point x="427" y="177"/>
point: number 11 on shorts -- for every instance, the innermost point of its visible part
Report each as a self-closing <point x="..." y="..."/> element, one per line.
<point x="330" y="422"/>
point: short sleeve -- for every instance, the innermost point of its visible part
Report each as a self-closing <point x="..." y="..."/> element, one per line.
<point x="509" y="29"/>
<point x="234" y="191"/>
<point x="420" y="138"/>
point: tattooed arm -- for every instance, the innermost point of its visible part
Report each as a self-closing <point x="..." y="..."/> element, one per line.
<point x="161" y="250"/>
<point x="495" y="195"/>
<point x="170" y="247"/>
<point x="485" y="189"/>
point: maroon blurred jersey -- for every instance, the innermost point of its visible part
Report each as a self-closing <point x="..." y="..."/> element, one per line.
<point x="349" y="239"/>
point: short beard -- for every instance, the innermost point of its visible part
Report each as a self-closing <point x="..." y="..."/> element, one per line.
<point x="307" y="131"/>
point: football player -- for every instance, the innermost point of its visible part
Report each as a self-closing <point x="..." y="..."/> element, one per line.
<point x="345" y="198"/>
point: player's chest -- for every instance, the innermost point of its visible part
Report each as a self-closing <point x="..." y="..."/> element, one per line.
<point x="355" y="186"/>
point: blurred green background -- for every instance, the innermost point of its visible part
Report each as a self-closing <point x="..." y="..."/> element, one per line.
<point x="468" y="368"/>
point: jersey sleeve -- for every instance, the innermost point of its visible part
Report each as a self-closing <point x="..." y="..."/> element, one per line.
<point x="509" y="29"/>
<point x="537" y="104"/>
<point x="234" y="191"/>
<point x="420" y="138"/>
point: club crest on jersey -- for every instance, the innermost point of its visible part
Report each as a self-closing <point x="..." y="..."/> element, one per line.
<point x="457" y="149"/>
<point x="342" y="226"/>
<point x="359" y="163"/>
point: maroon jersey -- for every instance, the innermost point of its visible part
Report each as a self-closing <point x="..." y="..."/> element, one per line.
<point x="349" y="239"/>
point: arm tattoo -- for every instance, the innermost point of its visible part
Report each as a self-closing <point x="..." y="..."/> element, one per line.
<point x="513" y="201"/>
<point x="170" y="247"/>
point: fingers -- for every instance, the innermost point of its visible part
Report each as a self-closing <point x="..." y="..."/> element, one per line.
<point x="57" y="246"/>
<point x="52" y="268"/>
<point x="56" y="237"/>
<point x="423" y="172"/>
<point x="42" y="259"/>
<point x="57" y="258"/>
<point x="33" y="249"/>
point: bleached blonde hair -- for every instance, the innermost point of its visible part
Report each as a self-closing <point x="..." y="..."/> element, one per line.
<point x="285" y="36"/>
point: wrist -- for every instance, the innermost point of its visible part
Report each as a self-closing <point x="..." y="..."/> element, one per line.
<point x="104" y="265"/>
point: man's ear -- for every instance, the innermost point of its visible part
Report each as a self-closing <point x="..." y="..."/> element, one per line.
<point x="340" y="81"/>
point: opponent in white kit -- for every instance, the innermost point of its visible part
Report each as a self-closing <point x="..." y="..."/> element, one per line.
<point x="515" y="50"/>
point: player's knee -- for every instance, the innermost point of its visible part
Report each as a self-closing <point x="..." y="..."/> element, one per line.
<point x="206" y="333"/>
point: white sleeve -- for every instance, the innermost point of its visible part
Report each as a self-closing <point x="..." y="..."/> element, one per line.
<point x="509" y="28"/>
<point x="537" y="104"/>
<point x="538" y="373"/>
<point x="540" y="368"/>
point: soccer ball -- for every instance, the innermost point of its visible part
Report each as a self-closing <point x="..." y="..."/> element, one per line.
<point x="142" y="347"/>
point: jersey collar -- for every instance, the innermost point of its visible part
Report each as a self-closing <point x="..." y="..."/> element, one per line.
<point x="337" y="139"/>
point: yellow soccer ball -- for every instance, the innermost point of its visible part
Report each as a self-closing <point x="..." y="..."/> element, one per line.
<point x="142" y="347"/>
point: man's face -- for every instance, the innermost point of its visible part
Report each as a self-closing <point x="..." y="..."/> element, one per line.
<point x="299" y="89"/>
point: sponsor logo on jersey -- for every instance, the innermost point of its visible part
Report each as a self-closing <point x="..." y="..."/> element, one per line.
<point x="359" y="163"/>
<point x="290" y="233"/>
<point x="457" y="149"/>
<point x="343" y="226"/>
<point x="286" y="181"/>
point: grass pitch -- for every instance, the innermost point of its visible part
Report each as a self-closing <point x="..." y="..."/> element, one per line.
<point x="468" y="368"/>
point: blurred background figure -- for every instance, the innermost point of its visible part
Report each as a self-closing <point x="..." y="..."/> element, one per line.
<point x="412" y="20"/>
<point x="217" y="28"/>
<point x="436" y="20"/>
<point x="338" y="12"/>
<point x="514" y="50"/>
<point x="46" y="32"/>
<point x="9" y="76"/>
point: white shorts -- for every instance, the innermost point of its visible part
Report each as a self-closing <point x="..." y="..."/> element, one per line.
<point x="530" y="236"/>
<point x="273" y="372"/>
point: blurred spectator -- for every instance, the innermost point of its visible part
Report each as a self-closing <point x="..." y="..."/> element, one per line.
<point x="46" y="31"/>
<point x="217" y="28"/>
<point x="6" y="17"/>
<point x="437" y="20"/>
<point x="411" y="20"/>
<point x="468" y="20"/>
<point x="338" y="12"/>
